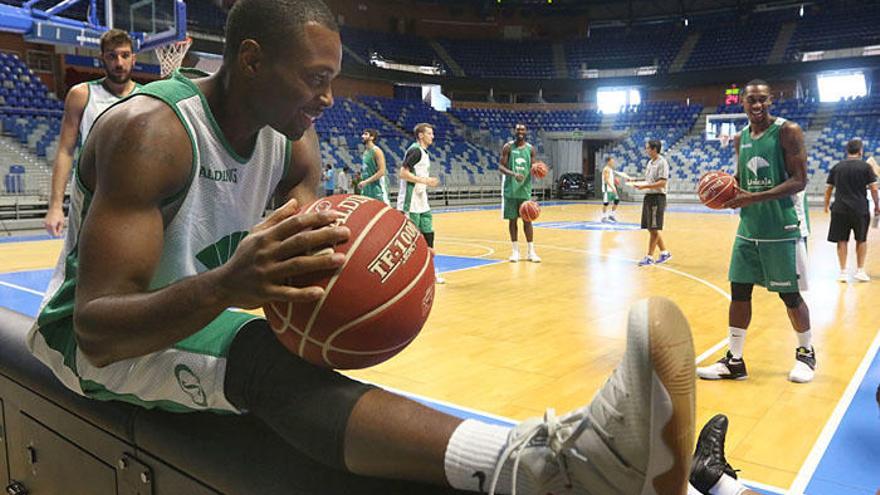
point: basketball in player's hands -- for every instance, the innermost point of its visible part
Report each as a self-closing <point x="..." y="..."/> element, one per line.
<point x="716" y="188"/>
<point x="375" y="304"/>
<point x="539" y="170"/>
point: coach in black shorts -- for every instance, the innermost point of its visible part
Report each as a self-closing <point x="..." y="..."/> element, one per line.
<point x="849" y="212"/>
<point x="654" y="205"/>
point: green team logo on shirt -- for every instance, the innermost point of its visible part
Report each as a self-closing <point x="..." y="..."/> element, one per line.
<point x="755" y="166"/>
<point x="218" y="253"/>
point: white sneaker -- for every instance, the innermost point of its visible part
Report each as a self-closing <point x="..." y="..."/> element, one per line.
<point x="635" y="436"/>
<point x="843" y="277"/>
<point x="439" y="279"/>
<point x="861" y="276"/>
<point x="534" y="258"/>
<point x="514" y="257"/>
<point x="804" y="365"/>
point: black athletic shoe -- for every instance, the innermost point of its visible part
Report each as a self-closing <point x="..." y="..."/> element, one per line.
<point x="726" y="368"/>
<point x="709" y="462"/>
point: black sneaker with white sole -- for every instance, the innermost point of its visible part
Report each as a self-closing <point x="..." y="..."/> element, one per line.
<point x="727" y="368"/>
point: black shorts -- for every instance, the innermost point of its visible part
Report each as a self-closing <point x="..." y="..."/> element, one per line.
<point x="843" y="223"/>
<point x="653" y="207"/>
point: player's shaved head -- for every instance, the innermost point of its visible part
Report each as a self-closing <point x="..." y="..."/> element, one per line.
<point x="273" y="24"/>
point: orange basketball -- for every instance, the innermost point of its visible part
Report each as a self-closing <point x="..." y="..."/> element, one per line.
<point x="375" y="304"/>
<point x="716" y="188"/>
<point x="529" y="211"/>
<point x="539" y="170"/>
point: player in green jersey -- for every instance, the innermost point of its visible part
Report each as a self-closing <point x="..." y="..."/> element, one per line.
<point x="516" y="188"/>
<point x="769" y="249"/>
<point x="374" y="184"/>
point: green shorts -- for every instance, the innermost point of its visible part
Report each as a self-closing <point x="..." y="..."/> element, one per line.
<point x="780" y="266"/>
<point x="376" y="190"/>
<point x="610" y="197"/>
<point x="424" y="221"/>
<point x="510" y="207"/>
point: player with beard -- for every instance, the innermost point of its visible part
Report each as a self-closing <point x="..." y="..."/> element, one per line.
<point x="82" y="106"/>
<point x="373" y="168"/>
<point x="770" y="248"/>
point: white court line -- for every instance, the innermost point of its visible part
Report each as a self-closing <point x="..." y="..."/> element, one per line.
<point x="489" y="250"/>
<point x="808" y="468"/>
<point x="23" y="289"/>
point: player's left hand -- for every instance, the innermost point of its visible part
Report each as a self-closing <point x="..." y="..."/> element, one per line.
<point x="742" y="198"/>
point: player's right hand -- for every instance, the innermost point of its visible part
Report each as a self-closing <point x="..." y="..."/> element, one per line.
<point x="432" y="182"/>
<point x="279" y="249"/>
<point x="54" y="222"/>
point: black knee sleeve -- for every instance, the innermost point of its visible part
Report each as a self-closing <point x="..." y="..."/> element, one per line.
<point x="306" y="405"/>
<point x="616" y="202"/>
<point x="429" y="237"/>
<point x="741" y="292"/>
<point x="605" y="204"/>
<point x="791" y="299"/>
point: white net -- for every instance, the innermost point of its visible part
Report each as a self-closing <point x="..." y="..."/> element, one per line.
<point x="171" y="55"/>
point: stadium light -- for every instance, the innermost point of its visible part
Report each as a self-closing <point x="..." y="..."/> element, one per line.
<point x="833" y="86"/>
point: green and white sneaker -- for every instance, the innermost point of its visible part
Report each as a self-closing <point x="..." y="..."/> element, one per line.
<point x="635" y="437"/>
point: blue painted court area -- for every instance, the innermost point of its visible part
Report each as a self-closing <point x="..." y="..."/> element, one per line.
<point x="613" y="227"/>
<point x="23" y="291"/>
<point x="445" y="263"/>
<point x="26" y="238"/>
<point x="851" y="463"/>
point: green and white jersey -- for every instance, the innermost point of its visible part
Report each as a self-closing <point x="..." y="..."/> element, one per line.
<point x="608" y="176"/>
<point x="378" y="189"/>
<point x="520" y="161"/>
<point x="225" y="197"/>
<point x="413" y="198"/>
<point x="761" y="167"/>
<point x="99" y="99"/>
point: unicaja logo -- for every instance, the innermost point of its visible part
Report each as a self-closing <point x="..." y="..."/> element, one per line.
<point x="757" y="163"/>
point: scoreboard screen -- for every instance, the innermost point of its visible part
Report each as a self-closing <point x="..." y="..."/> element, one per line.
<point x="732" y="95"/>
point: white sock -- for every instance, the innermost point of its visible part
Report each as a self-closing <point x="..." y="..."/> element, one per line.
<point x="531" y="247"/>
<point x="663" y="252"/>
<point x="515" y="246"/>
<point x="736" y="341"/>
<point x="474" y="448"/>
<point x="692" y="490"/>
<point x="727" y="486"/>
<point x="805" y="339"/>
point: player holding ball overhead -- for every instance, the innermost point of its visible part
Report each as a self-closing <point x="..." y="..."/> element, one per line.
<point x="517" y="157"/>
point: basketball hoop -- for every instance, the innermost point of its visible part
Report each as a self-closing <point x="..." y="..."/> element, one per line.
<point x="171" y="55"/>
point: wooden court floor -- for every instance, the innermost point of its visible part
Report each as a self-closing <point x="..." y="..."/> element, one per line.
<point x="513" y="339"/>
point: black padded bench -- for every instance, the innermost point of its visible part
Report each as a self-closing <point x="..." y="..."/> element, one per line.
<point x="54" y="442"/>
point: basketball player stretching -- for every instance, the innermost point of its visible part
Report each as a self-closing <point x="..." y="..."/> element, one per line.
<point x="770" y="244"/>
